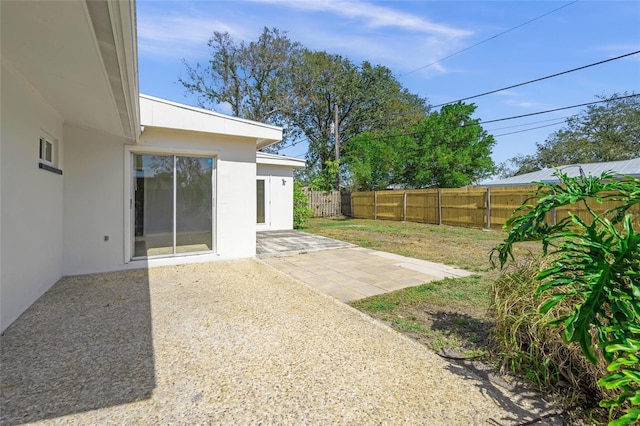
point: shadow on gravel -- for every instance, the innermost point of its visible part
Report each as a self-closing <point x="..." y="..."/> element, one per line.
<point x="85" y="344"/>
<point x="527" y="406"/>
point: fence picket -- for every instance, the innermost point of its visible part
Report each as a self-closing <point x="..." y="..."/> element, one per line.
<point x="472" y="207"/>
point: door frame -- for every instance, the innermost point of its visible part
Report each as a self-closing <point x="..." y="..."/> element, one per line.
<point x="129" y="198"/>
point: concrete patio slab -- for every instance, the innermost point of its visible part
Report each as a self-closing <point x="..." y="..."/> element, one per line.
<point x="349" y="274"/>
<point x="289" y="242"/>
<point x="229" y="343"/>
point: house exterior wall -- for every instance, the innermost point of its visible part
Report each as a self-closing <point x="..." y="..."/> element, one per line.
<point x="32" y="199"/>
<point x="279" y="180"/>
<point x="97" y="189"/>
<point x="93" y="201"/>
<point x="235" y="180"/>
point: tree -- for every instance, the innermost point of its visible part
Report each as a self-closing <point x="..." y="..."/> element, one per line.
<point x="603" y="132"/>
<point x="252" y="79"/>
<point x="371" y="161"/>
<point x="368" y="98"/>
<point x="277" y="81"/>
<point x="448" y="149"/>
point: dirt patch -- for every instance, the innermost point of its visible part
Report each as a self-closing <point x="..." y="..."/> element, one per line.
<point x="467" y="328"/>
<point x="454" y="331"/>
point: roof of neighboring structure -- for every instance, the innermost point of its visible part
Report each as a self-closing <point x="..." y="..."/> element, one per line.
<point x="278" y="160"/>
<point x="625" y="167"/>
<point x="156" y="112"/>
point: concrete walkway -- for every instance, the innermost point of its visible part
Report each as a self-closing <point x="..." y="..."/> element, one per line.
<point x="289" y="242"/>
<point x="341" y="269"/>
<point x="229" y="343"/>
<point x="355" y="273"/>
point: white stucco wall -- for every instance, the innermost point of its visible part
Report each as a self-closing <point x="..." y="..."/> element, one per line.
<point x="31" y="216"/>
<point x="97" y="186"/>
<point x="279" y="183"/>
<point x="93" y="201"/>
<point x="235" y="200"/>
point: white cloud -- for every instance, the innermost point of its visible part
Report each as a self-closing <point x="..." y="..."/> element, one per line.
<point x="379" y="34"/>
<point x="177" y="35"/>
<point x="528" y="105"/>
<point x="375" y="16"/>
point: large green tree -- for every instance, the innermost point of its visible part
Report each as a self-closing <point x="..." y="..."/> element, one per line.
<point x="372" y="160"/>
<point x="368" y="98"/>
<point x="448" y="149"/>
<point x="252" y="79"/>
<point x="278" y="81"/>
<point x="608" y="131"/>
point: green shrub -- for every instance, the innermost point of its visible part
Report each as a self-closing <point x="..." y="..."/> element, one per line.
<point x="595" y="271"/>
<point x="301" y="211"/>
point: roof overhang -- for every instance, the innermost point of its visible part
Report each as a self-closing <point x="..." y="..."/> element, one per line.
<point x="156" y="112"/>
<point x="279" y="160"/>
<point x="80" y="56"/>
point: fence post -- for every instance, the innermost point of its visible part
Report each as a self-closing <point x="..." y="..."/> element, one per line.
<point x="553" y="217"/>
<point x="488" y="208"/>
<point x="375" y="205"/>
<point x="404" y="206"/>
<point x="439" y="207"/>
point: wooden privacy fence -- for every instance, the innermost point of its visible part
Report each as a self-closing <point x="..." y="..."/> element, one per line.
<point x="471" y="207"/>
<point x="324" y="204"/>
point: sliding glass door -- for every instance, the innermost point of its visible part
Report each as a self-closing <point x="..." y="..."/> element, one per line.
<point x="173" y="211"/>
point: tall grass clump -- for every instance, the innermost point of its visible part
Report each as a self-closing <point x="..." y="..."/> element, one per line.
<point x="591" y="284"/>
<point x="527" y="347"/>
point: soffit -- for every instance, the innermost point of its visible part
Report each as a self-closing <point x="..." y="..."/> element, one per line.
<point x="54" y="46"/>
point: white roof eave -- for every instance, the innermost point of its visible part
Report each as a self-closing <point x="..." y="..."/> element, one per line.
<point x="156" y="112"/>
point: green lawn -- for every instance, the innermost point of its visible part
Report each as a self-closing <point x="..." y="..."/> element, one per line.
<point x="448" y="315"/>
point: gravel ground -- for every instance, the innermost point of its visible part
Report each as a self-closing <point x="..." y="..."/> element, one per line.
<point x="228" y="343"/>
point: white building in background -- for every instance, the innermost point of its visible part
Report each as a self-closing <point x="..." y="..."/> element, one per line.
<point x="95" y="177"/>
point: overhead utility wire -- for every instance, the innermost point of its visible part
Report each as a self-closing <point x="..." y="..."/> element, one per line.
<point x="559" y="120"/>
<point x="556" y="109"/>
<point x="519" y="116"/>
<point x="540" y="79"/>
<point x="490" y="38"/>
<point x="528" y="130"/>
<point x="514" y="117"/>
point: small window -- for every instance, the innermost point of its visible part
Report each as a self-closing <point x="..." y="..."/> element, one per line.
<point x="47" y="150"/>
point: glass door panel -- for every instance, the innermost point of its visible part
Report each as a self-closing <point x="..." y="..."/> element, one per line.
<point x="153" y="205"/>
<point x="194" y="225"/>
<point x="173" y="209"/>
<point x="261" y="201"/>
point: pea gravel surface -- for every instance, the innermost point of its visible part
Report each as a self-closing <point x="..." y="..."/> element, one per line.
<point x="228" y="343"/>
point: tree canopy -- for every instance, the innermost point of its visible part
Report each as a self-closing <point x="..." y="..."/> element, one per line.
<point x="447" y="149"/>
<point x="280" y="82"/>
<point x="387" y="134"/>
<point x="252" y="79"/>
<point x="609" y="131"/>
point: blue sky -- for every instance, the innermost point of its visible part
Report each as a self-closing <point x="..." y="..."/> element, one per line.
<point x="407" y="35"/>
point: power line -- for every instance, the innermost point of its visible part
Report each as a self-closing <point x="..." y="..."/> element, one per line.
<point x="556" y="109"/>
<point x="559" y="119"/>
<point x="514" y="117"/>
<point x="490" y="38"/>
<point x="540" y="79"/>
<point x="528" y="130"/>
<point x="480" y="122"/>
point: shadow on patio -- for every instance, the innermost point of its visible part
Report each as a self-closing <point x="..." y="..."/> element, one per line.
<point x="86" y="344"/>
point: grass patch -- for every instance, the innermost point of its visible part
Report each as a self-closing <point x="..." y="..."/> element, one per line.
<point x="447" y="315"/>
<point x="466" y="248"/>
